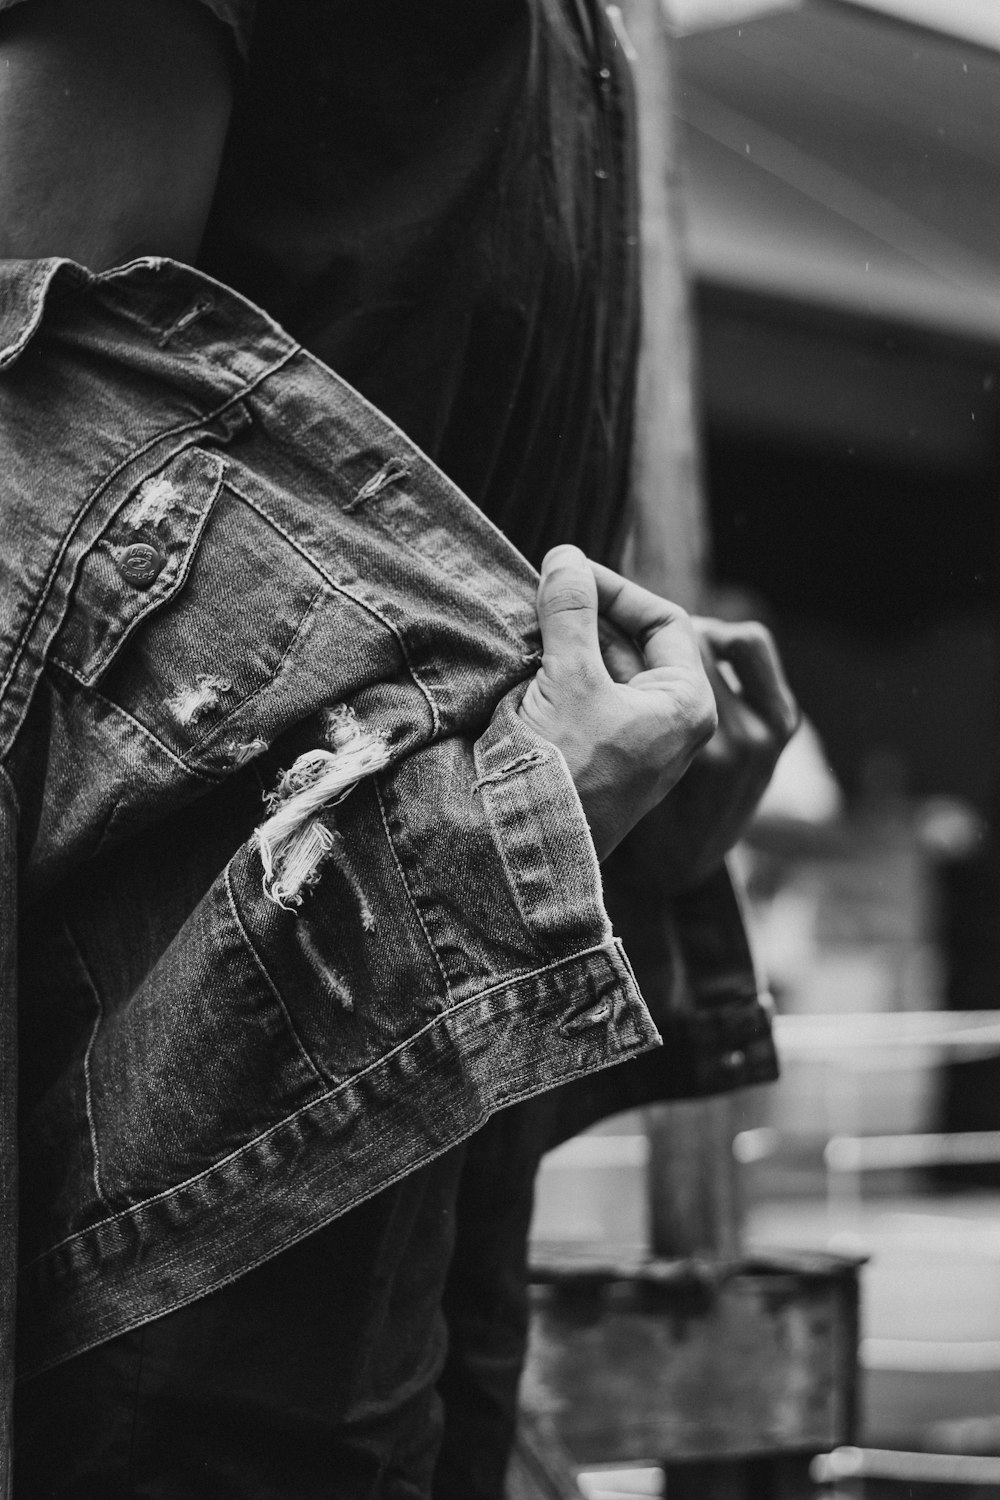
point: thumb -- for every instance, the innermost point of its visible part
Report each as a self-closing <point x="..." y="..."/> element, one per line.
<point x="567" y="611"/>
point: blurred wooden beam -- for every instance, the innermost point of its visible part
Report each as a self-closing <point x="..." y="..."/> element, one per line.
<point x="694" y="1206"/>
<point x="670" y="532"/>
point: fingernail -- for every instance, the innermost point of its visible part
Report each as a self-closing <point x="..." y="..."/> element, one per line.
<point x="564" y="553"/>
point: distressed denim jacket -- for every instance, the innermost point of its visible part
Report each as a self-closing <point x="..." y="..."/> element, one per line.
<point x="224" y="574"/>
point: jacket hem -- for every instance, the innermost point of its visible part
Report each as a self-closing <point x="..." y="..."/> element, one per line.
<point x="413" y="1105"/>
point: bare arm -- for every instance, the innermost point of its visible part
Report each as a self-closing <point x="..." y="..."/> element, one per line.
<point x="113" y="115"/>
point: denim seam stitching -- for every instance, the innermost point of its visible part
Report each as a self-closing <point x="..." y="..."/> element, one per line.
<point x="340" y="588"/>
<point x="88" y="1090"/>
<point x="496" y="819"/>
<point x="599" y="952"/>
<point x="380" y="515"/>
<point x="212" y="777"/>
<point x="515" y="1097"/>
<point x="204" y="745"/>
<point x="555" y="761"/>
<point x="189" y="761"/>
<point x="153" y="606"/>
<point x="39" y="281"/>
<point x="76" y="521"/>
<point x="473" y="516"/>
<point x="9" y="782"/>
<point x="259" y="962"/>
<point x="409" y="894"/>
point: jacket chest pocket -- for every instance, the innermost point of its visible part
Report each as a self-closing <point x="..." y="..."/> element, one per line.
<point x="184" y="609"/>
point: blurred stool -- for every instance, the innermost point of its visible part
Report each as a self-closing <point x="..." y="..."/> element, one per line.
<point x="720" y="1371"/>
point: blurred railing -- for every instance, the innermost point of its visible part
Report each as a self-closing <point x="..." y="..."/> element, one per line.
<point x="863" y="1045"/>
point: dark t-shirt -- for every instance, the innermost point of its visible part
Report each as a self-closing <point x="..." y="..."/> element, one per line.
<point x="436" y="198"/>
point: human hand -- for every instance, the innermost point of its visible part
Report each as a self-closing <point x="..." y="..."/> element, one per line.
<point x="626" y="743"/>
<point x="693" y="828"/>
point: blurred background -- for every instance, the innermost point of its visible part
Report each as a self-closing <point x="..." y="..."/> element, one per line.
<point x="840" y="166"/>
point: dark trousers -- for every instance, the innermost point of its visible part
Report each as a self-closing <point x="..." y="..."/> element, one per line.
<point x="376" y="1360"/>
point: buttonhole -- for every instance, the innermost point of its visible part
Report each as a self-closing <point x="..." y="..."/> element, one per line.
<point x="391" y="471"/>
<point x="199" y="307"/>
<point x="512" y="768"/>
<point x="599" y="1016"/>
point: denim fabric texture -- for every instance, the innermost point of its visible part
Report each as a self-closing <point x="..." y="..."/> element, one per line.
<point x="191" y="1042"/>
<point x="384" y="1349"/>
<point x="314" y="1375"/>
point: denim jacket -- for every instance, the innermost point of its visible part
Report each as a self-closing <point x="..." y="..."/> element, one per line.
<point x="209" y="542"/>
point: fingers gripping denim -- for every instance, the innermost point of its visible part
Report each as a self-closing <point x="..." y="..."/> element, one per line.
<point x="210" y="543"/>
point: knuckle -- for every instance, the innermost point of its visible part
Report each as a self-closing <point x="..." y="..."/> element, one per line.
<point x="793" y="721"/>
<point x="721" y="754"/>
<point x="704" y="715"/>
<point x="674" y="617"/>
<point x="757" y="634"/>
<point x="759" y="740"/>
<point x="567" y="595"/>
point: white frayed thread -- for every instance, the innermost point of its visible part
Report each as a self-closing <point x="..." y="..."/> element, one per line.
<point x="293" y="841"/>
<point x="189" y="703"/>
<point x="241" y="752"/>
<point x="340" y="726"/>
<point x="152" y="503"/>
<point x="292" y="863"/>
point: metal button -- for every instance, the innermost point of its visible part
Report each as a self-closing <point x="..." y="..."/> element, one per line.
<point x="141" y="564"/>
<point x="734" y="1060"/>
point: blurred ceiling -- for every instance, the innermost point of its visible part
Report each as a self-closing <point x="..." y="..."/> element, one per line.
<point x="972" y="20"/>
<point x="838" y="155"/>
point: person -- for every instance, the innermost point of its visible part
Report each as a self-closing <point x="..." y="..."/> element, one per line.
<point x="284" y="1080"/>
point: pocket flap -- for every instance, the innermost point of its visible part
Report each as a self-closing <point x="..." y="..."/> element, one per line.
<point x="139" y="561"/>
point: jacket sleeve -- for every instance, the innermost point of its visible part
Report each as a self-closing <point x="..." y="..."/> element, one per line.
<point x="225" y="576"/>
